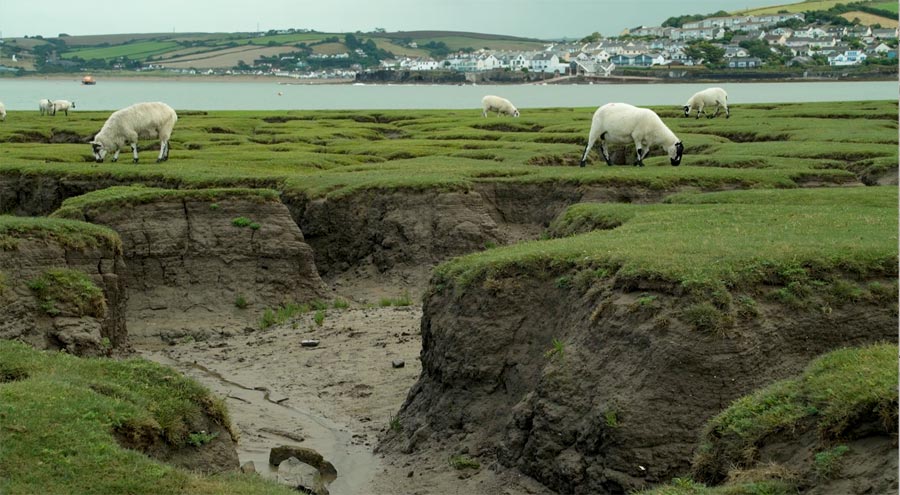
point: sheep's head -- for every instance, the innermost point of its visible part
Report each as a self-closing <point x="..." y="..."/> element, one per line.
<point x="687" y="110"/>
<point x="516" y="112"/>
<point x="675" y="152"/>
<point x="99" y="151"/>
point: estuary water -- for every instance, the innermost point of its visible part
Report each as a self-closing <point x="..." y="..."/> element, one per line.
<point x="23" y="94"/>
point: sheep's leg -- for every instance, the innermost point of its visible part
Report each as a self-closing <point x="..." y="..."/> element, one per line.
<point x="587" y="149"/>
<point x="134" y="151"/>
<point x="605" y="152"/>
<point x="115" y="157"/>
<point x="700" y="110"/>
<point x="727" y="113"/>
<point x="163" y="151"/>
<point x="718" y="108"/>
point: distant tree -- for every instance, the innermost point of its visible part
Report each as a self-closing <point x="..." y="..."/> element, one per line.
<point x="710" y="53"/>
<point x="592" y="38"/>
<point x="757" y="48"/>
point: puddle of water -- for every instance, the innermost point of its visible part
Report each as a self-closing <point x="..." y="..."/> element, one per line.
<point x="251" y="410"/>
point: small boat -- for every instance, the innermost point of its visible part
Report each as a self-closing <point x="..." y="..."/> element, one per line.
<point x="88" y="80"/>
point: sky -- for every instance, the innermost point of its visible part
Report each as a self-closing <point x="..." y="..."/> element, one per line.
<point x="544" y="19"/>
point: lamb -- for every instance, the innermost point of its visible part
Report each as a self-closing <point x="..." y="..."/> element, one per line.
<point x="501" y="105"/>
<point x="624" y="123"/>
<point x="45" y="105"/>
<point x="141" y="120"/>
<point x="706" y="98"/>
<point x="61" y="106"/>
<point x="2" y="111"/>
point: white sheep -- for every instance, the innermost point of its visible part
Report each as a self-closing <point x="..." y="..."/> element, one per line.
<point x="61" y="106"/>
<point x="2" y="111"/>
<point x="623" y="123"/>
<point x="501" y="105"/>
<point x="707" y="98"/>
<point x="45" y="105"/>
<point x="141" y="120"/>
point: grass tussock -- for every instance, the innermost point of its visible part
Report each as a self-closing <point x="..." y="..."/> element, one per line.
<point x="69" y="234"/>
<point x="67" y="292"/>
<point x="93" y="398"/>
<point x="835" y="395"/>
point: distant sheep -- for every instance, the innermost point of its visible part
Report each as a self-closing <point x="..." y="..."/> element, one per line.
<point x="492" y="103"/>
<point x="61" y="106"/>
<point x="2" y="111"/>
<point x="623" y="123"/>
<point x="707" y="98"/>
<point x="45" y="106"/>
<point x="141" y="120"/>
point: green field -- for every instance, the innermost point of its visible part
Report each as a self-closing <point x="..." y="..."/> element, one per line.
<point x="889" y="6"/>
<point x="804" y="6"/>
<point x="136" y="51"/>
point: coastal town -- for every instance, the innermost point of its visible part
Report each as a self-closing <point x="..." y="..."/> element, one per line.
<point x="737" y="43"/>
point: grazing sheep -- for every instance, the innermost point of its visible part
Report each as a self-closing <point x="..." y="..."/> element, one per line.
<point x="2" y="111"/>
<point x="61" y="106"/>
<point x="141" y="120"/>
<point x="707" y="98"/>
<point x="623" y="123"/>
<point x="45" y="106"/>
<point x="501" y="105"/>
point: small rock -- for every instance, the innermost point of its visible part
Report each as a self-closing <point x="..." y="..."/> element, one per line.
<point x="409" y="474"/>
<point x="277" y="398"/>
<point x="248" y="467"/>
<point x="309" y="343"/>
<point x="398" y="363"/>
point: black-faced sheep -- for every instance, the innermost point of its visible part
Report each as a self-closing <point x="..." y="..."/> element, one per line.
<point x="492" y="103"/>
<point x="141" y="120"/>
<point x="623" y="123"/>
<point x="707" y="98"/>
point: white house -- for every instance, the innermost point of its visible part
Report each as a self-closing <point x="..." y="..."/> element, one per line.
<point x="850" y="57"/>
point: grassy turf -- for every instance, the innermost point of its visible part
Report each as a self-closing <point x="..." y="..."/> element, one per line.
<point x="116" y="197"/>
<point x="333" y="153"/>
<point x="135" y="51"/>
<point x="70" y="234"/>
<point x="735" y="242"/>
<point x="59" y="413"/>
<point x="835" y="392"/>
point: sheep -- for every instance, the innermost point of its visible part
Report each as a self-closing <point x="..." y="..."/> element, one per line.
<point x="141" y="120"/>
<point x="706" y="98"/>
<point x="45" y="105"/>
<point x="624" y="123"/>
<point x="501" y="105"/>
<point x="61" y="106"/>
<point x="2" y="112"/>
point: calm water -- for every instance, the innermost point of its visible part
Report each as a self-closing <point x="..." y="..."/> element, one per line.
<point x="20" y="94"/>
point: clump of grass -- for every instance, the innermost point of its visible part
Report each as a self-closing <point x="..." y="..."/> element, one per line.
<point x="93" y="398"/>
<point x="557" y="351"/>
<point x="705" y="317"/>
<point x="564" y="282"/>
<point x="201" y="438"/>
<point x="828" y="463"/>
<point x="746" y="307"/>
<point x="240" y="302"/>
<point x="319" y="317"/>
<point x="277" y="316"/>
<point x="69" y="292"/>
<point x="70" y="234"/>
<point x="835" y="393"/>
<point x="394" y="424"/>
<point x="611" y="418"/>
<point x="340" y="304"/>
<point x="402" y="300"/>
<point x="245" y="222"/>
<point x="460" y="462"/>
<point x="318" y="305"/>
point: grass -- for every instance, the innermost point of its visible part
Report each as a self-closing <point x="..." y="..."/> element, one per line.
<point x="68" y="292"/>
<point x="402" y="300"/>
<point x="335" y="153"/>
<point x="686" y="486"/>
<point x="828" y="462"/>
<point x="281" y="314"/>
<point x="68" y="233"/>
<point x="59" y="413"/>
<point x="460" y="462"/>
<point x="716" y="247"/>
<point x="835" y="393"/>
<point x="78" y="207"/>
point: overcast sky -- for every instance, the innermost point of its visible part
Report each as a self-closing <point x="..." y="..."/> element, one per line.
<point x="527" y="18"/>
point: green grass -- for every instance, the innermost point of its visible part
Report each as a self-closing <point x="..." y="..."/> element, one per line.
<point x="68" y="292"/>
<point x="712" y="247"/>
<point x="59" y="413"/>
<point x="68" y="233"/>
<point x="836" y="392"/>
<point x="336" y="153"/>
<point x="889" y="6"/>
<point x="135" y="51"/>
<point x="126" y="196"/>
<point x="460" y="462"/>
<point x="795" y="7"/>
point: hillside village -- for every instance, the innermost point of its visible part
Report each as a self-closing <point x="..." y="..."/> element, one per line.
<point x="721" y="42"/>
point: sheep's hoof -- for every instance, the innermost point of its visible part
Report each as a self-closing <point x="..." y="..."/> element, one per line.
<point x="134" y="160"/>
<point x="581" y="164"/>
<point x="114" y="160"/>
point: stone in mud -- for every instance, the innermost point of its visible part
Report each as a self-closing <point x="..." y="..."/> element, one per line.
<point x="248" y="467"/>
<point x="309" y="343"/>
<point x="399" y="363"/>
<point x="300" y="476"/>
